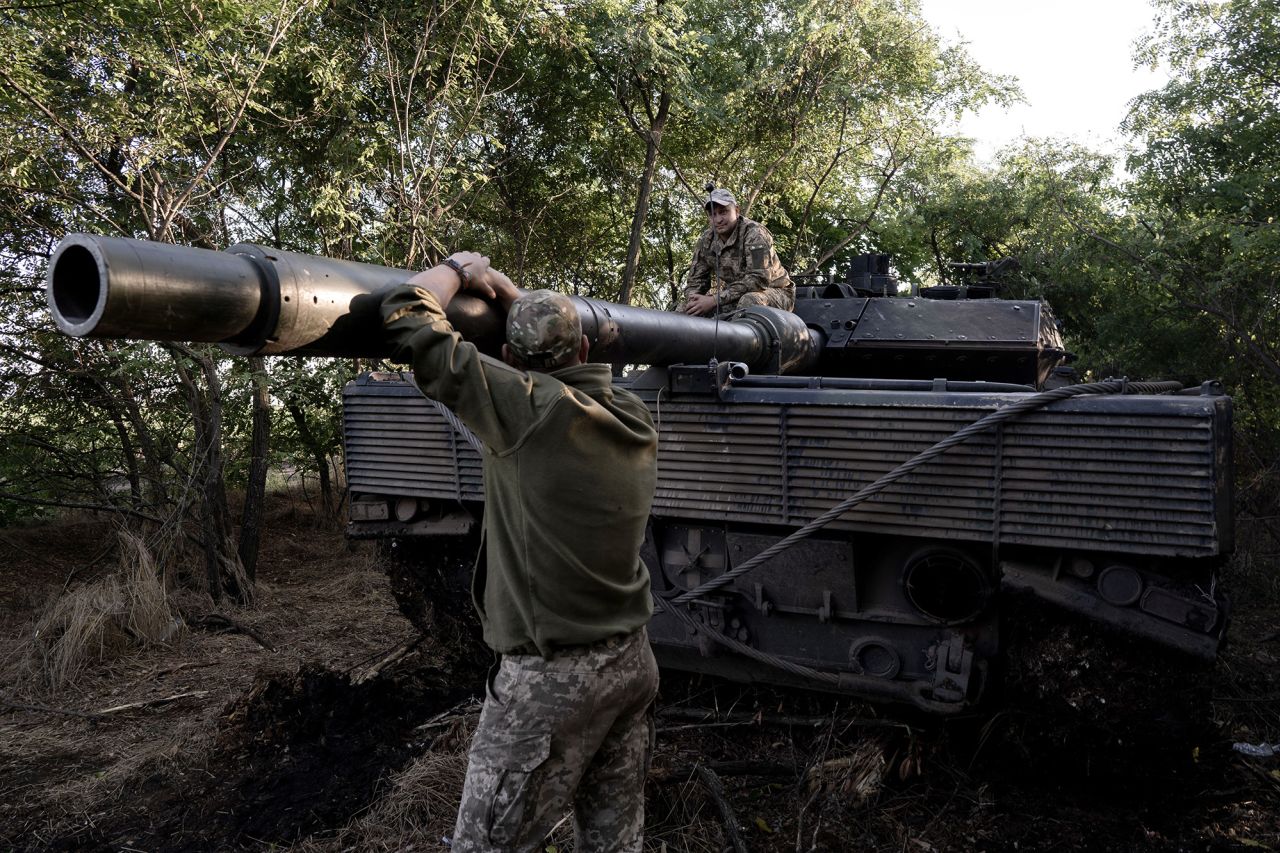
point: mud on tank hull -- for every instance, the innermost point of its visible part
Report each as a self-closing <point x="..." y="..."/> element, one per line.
<point x="1111" y="508"/>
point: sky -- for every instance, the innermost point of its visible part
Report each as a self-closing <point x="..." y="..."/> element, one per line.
<point x="1073" y="60"/>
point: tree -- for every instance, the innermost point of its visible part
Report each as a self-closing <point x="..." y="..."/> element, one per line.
<point x="1204" y="199"/>
<point x="811" y="110"/>
<point x="120" y="120"/>
<point x="641" y="52"/>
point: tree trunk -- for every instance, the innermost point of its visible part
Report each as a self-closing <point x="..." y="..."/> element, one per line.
<point x="222" y="564"/>
<point x="653" y="140"/>
<point x="255" y="489"/>
<point x="317" y="452"/>
<point x="127" y="452"/>
<point x="119" y="400"/>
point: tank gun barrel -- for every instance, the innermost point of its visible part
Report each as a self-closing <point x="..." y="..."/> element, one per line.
<point x="255" y="300"/>
<point x="766" y="339"/>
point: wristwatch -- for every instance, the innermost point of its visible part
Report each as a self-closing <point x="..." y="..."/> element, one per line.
<point x="463" y="276"/>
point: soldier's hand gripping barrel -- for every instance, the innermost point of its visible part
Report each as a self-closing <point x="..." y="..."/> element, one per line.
<point x="255" y="300"/>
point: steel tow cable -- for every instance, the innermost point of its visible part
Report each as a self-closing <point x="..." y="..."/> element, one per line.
<point x="1010" y="412"/>
<point x="447" y="413"/>
<point x="983" y="424"/>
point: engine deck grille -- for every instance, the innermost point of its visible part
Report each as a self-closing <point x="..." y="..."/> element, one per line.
<point x="1126" y="474"/>
<point x="1116" y="474"/>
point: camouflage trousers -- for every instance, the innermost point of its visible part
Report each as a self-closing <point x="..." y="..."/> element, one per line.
<point x="575" y="729"/>
<point x="772" y="297"/>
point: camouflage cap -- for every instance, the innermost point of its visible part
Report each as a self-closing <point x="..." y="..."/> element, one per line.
<point x="722" y="197"/>
<point x="543" y="329"/>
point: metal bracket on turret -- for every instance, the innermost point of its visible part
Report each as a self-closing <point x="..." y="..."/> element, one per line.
<point x="691" y="379"/>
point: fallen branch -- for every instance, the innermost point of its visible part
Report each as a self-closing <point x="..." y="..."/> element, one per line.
<point x="712" y="783"/>
<point x="131" y="706"/>
<point x="94" y="716"/>
<point x="447" y="716"/>
<point x="753" y="768"/>
<point x="225" y="624"/>
<point x="398" y="653"/>
<point x="771" y="769"/>
<point x="190" y="664"/>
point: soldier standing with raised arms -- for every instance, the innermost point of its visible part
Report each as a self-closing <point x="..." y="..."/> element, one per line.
<point x="569" y="474"/>
<point x="734" y="264"/>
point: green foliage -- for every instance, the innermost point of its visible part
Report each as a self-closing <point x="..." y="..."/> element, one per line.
<point x="815" y="109"/>
<point x="1032" y="206"/>
<point x="396" y="132"/>
<point x="1204" y="199"/>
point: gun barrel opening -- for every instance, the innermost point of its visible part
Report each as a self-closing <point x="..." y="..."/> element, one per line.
<point x="76" y="289"/>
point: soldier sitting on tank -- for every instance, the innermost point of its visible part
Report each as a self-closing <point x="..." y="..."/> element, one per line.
<point x="734" y="264"/>
<point x="570" y="465"/>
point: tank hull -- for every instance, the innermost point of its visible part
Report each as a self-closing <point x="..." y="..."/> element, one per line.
<point x="1114" y="509"/>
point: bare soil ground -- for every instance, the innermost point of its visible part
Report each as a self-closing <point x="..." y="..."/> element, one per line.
<point x="270" y="729"/>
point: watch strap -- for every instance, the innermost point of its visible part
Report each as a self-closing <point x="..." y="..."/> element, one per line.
<point x="463" y="276"/>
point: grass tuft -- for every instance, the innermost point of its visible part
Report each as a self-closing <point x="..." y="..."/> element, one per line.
<point x="102" y="621"/>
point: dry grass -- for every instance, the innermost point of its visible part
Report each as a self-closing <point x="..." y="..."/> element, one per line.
<point x="679" y="817"/>
<point x="856" y="777"/>
<point x="419" y="804"/>
<point x="101" y="622"/>
<point x="361" y="578"/>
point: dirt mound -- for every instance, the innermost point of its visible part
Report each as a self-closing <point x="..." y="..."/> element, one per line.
<point x="307" y="751"/>
<point x="296" y="754"/>
<point x="1109" y="742"/>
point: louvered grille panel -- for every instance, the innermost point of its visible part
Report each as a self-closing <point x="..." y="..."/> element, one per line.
<point x="1099" y="474"/>
<point x="1146" y="482"/>
<point x="1110" y="479"/>
<point x="398" y="443"/>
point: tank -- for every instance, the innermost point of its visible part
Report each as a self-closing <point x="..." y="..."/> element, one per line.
<point x="1111" y="507"/>
<point x="850" y="498"/>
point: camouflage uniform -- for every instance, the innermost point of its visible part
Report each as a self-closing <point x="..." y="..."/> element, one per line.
<point x="742" y="269"/>
<point x="573" y="729"/>
<point x="570" y="466"/>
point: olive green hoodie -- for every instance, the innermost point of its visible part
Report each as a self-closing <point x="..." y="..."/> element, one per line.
<point x="570" y="465"/>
